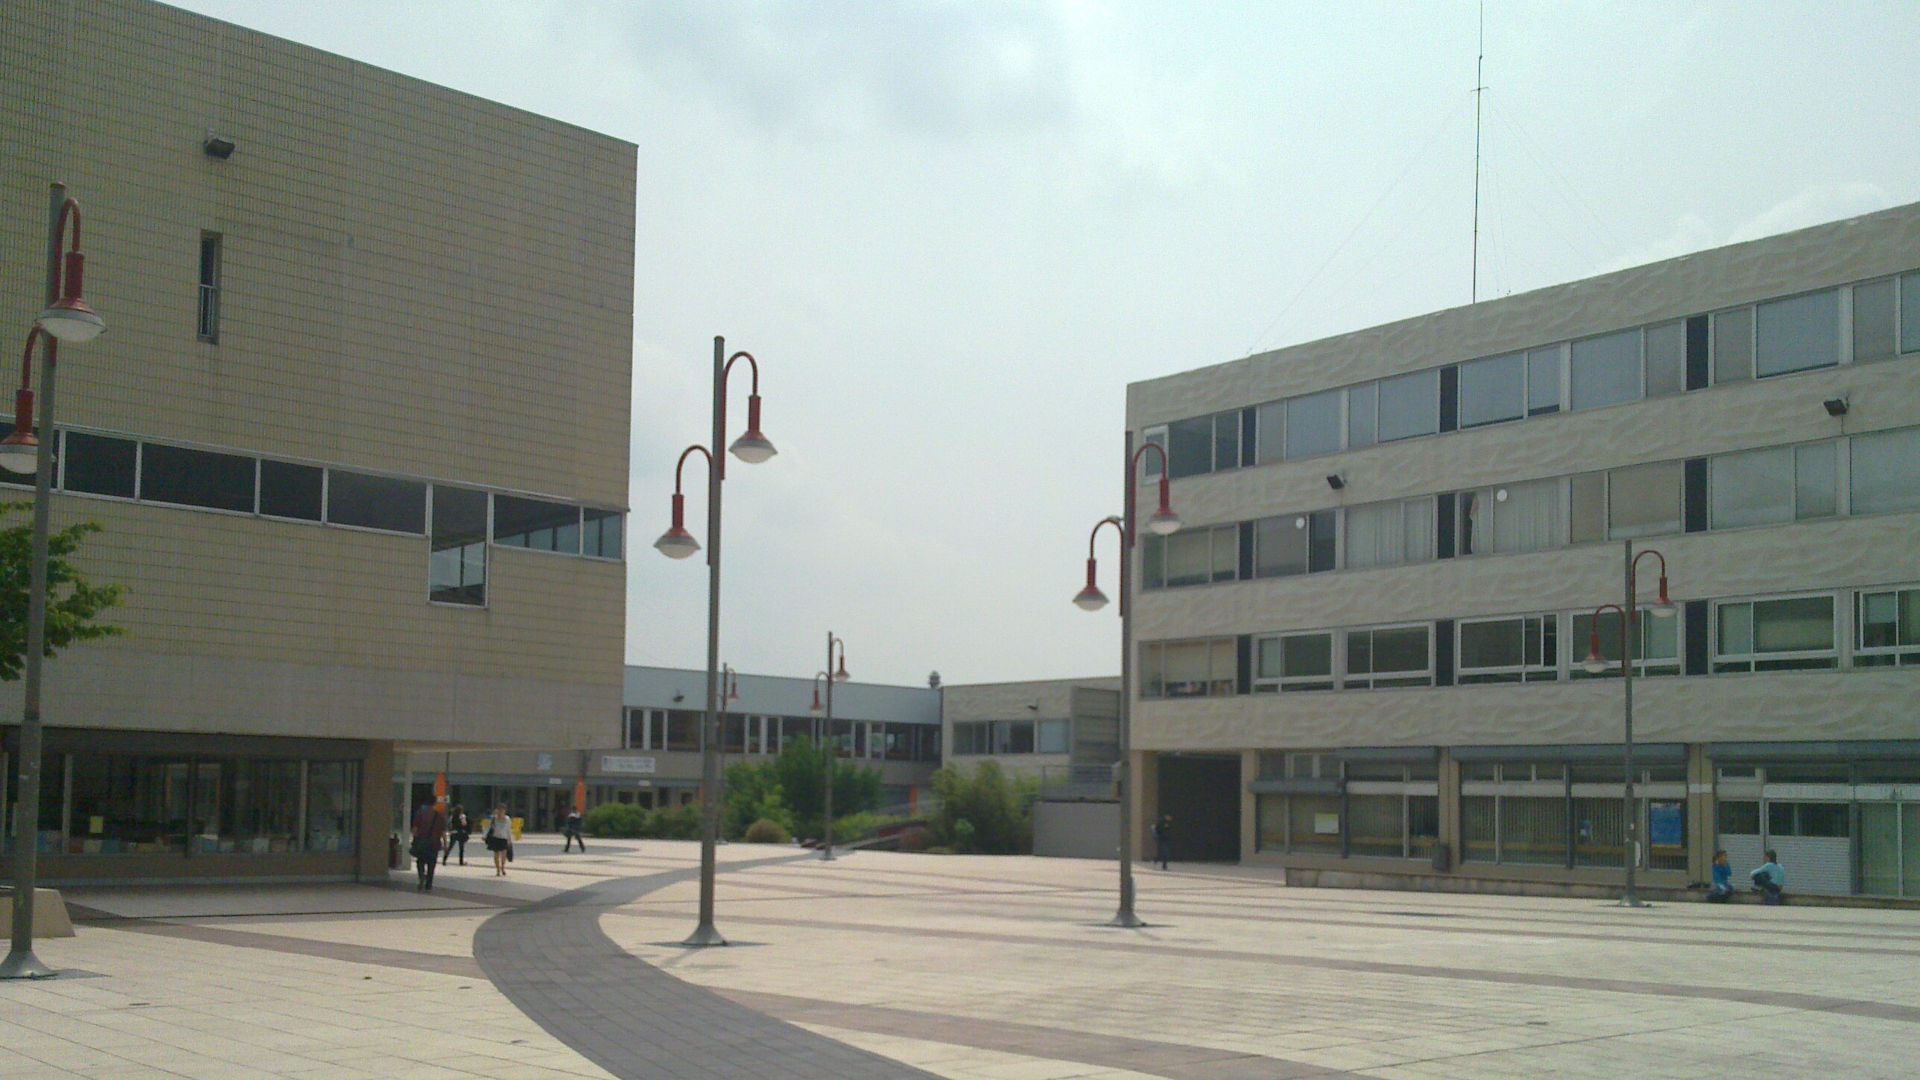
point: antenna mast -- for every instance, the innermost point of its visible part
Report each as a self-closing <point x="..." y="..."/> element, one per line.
<point x="1479" y="88"/>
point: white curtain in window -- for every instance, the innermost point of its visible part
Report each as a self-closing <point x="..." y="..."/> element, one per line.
<point x="1189" y="557"/>
<point x="1529" y="519"/>
<point x="1417" y="518"/>
<point x="1376" y="535"/>
<point x="1755" y="488"/>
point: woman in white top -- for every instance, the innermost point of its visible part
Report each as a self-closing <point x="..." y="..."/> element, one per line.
<point x="499" y="839"/>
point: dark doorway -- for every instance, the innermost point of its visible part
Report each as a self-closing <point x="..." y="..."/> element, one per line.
<point x="1203" y="795"/>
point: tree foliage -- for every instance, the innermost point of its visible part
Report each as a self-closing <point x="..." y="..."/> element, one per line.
<point x="73" y="603"/>
<point x="791" y="789"/>
<point x="983" y="812"/>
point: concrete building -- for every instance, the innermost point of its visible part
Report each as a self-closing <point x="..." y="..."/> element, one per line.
<point x="1062" y="733"/>
<point x="650" y="755"/>
<point x="1361" y="659"/>
<point x="356" y="434"/>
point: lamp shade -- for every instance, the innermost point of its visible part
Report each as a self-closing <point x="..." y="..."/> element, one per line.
<point x="753" y="447"/>
<point x="69" y="318"/>
<point x="841" y="675"/>
<point x="1164" y="522"/>
<point x="19" y="452"/>
<point x="677" y="543"/>
<point x="1090" y="599"/>
<point x="1595" y="664"/>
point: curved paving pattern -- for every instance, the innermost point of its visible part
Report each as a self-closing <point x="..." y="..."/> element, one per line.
<point x="552" y="960"/>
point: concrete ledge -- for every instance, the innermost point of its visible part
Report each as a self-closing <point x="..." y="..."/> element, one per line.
<point x="1352" y="879"/>
<point x="49" y="913"/>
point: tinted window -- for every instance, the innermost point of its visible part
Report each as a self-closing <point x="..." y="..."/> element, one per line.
<point x="601" y="534"/>
<point x="1886" y="471"/>
<point x="536" y="524"/>
<point x="1873" y="329"/>
<point x="1363" y="415"/>
<point x="1733" y="345"/>
<point x="1410" y="405"/>
<point x="1605" y="370"/>
<point x="1493" y="389"/>
<point x="1666" y="359"/>
<point x="1797" y="333"/>
<point x="457" y="558"/>
<point x="376" y="502"/>
<point x="1190" y="447"/>
<point x="175" y="474"/>
<point x="1313" y="424"/>
<point x="1543" y="381"/>
<point x="290" y="491"/>
<point x="99" y="464"/>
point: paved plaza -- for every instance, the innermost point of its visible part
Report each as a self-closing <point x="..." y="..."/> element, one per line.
<point x="886" y="965"/>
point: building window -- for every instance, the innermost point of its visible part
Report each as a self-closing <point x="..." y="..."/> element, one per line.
<point x="1495" y="389"/>
<point x="1181" y="669"/>
<point x="1644" y="500"/>
<point x="1388" y="657"/>
<point x="682" y="730"/>
<point x="1270" y="433"/>
<point x="1798" y="333"/>
<point x="1543" y="380"/>
<point x="1200" y="556"/>
<point x="1888" y="632"/>
<point x="1313" y="424"/>
<point x="207" y="324"/>
<point x="1052" y="737"/>
<point x="601" y="533"/>
<point x="1605" y="370"/>
<point x="457" y="548"/>
<point x="1786" y="634"/>
<point x="1910" y="313"/>
<point x="291" y="491"/>
<point x="1657" y="652"/>
<point x="1507" y="520"/>
<point x="1409" y="405"/>
<point x="100" y="464"/>
<point x="1288" y="662"/>
<point x="1875" y="332"/>
<point x="1666" y="365"/>
<point x="1732" y="345"/>
<point x="1522" y="649"/>
<point x="536" y="524"/>
<point x="1885" y="472"/>
<point x="376" y="502"/>
<point x="1764" y="487"/>
<point x="1363" y="416"/>
<point x="1190" y="447"/>
<point x="1294" y="544"/>
<point x="1389" y="534"/>
<point x="174" y="474"/>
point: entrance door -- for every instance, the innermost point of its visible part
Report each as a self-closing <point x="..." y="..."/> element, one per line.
<point x="1203" y="795"/>
<point x="1890" y="849"/>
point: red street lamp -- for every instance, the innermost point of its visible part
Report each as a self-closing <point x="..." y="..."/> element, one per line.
<point x="67" y="317"/>
<point x="677" y="543"/>
<point x="1163" y="522"/>
<point x="1595" y="664"/>
<point x="838" y="675"/>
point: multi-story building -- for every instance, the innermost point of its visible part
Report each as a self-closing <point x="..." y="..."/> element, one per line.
<point x="356" y="434"/>
<point x="1362" y="657"/>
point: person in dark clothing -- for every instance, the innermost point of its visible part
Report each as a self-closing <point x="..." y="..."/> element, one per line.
<point x="458" y="830"/>
<point x="429" y="833"/>
<point x="1163" y="840"/>
<point x="571" y="828"/>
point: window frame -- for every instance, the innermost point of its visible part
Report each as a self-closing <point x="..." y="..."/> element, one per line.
<point x="1284" y="683"/>
<point x="1545" y="669"/>
<point x="1373" y="679"/>
<point x="1787" y="660"/>
<point x="1899" y="654"/>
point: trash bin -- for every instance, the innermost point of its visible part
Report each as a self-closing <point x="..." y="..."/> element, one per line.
<point x="393" y="854"/>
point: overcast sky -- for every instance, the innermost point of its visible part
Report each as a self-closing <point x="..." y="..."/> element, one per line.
<point x="953" y="232"/>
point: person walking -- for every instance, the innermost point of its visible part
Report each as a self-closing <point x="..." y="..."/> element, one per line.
<point x="458" y="830"/>
<point x="1722" y="888"/>
<point x="571" y="827"/>
<point x="429" y="833"/>
<point x="499" y="839"/>
<point x="1163" y="840"/>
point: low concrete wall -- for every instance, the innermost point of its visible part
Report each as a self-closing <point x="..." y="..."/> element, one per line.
<point x="1077" y="830"/>
<point x="49" y="913"/>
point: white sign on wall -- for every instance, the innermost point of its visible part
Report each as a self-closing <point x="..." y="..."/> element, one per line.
<point x="622" y="764"/>
<point x="543" y="763"/>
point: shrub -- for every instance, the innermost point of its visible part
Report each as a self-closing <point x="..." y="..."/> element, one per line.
<point x="859" y="826"/>
<point x="915" y="838"/>
<point x="674" y="823"/>
<point x="768" y="831"/>
<point x="614" y="819"/>
<point x="983" y="812"/>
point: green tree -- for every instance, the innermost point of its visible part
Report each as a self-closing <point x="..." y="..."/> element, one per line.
<point x="791" y="789"/>
<point x="984" y="811"/>
<point x="72" y="601"/>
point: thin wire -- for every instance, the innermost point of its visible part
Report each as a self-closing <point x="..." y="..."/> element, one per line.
<point x="1545" y="162"/>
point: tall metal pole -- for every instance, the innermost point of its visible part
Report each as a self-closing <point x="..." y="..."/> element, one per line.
<point x="833" y="751"/>
<point x="1629" y="625"/>
<point x="706" y="933"/>
<point x="1123" y="780"/>
<point x="21" y="963"/>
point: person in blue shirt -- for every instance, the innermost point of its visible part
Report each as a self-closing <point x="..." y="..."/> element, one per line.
<point x="1722" y="887"/>
<point x="1769" y="879"/>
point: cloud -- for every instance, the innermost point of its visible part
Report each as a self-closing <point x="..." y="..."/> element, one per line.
<point x="1815" y="205"/>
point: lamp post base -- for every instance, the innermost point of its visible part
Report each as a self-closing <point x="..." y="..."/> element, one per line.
<point x="704" y="936"/>
<point x="1632" y="901"/>
<point x="1125" y="919"/>
<point x="22" y="964"/>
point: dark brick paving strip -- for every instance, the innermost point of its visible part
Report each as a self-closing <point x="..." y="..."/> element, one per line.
<point x="552" y="960"/>
<point x="1878" y="1010"/>
<point x="332" y="950"/>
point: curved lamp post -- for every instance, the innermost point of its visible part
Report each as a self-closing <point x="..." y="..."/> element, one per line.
<point x="1596" y="664"/>
<point x="832" y="742"/>
<point x="1163" y="522"/>
<point x="67" y="317"/>
<point x="676" y="543"/>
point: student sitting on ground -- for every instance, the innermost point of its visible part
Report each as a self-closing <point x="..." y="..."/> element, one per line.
<point x="1722" y="886"/>
<point x="1769" y="880"/>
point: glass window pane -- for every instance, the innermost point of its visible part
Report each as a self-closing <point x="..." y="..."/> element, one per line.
<point x="1732" y="345"/>
<point x="1374" y="535"/>
<point x="332" y="805"/>
<point x="1533" y="830"/>
<point x="602" y="532"/>
<point x="1873" y="328"/>
<point x="1797" y="333"/>
<point x="1586" y="508"/>
<point x="1186" y="669"/>
<point x="1190" y="447"/>
<point x="1226" y="440"/>
<point x="1270" y="432"/>
<point x="1410" y="405"/>
<point x="290" y="491"/>
<point x="1268" y="658"/>
<point x="1659" y="638"/>
<point x="1359" y="652"/>
<point x="1644" y="500"/>
<point x="1363" y="427"/>
<point x="1543" y="380"/>
<point x="1754" y="488"/>
<point x="1605" y="370"/>
<point x="1320" y="541"/>
<point x="1226" y="552"/>
<point x="1736" y="629"/>
<point x="376" y="502"/>
<point x="1801" y="624"/>
<point x="1400" y="649"/>
<point x="1053" y="737"/>
<point x="1190" y="557"/>
<point x="1813" y="480"/>
<point x="1418" y="515"/>
<point x="1879" y="620"/>
<point x="1910" y="313"/>
<point x="1885" y="471"/>
<point x="1526" y="517"/>
<point x="1308" y="655"/>
<point x="1493" y="389"/>
<point x="1279" y="546"/>
<point x="1313" y="424"/>
<point x="175" y="474"/>
<point x="457" y="549"/>
<point x="99" y="464"/>
<point x="1667" y="358"/>
<point x="1491" y="644"/>
<point x="536" y="524"/>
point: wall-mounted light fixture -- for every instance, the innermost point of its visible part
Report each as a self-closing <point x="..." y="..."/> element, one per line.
<point x="217" y="147"/>
<point x="1336" y="481"/>
<point x="1835" y="406"/>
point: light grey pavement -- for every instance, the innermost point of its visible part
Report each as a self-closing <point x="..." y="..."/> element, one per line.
<point x="962" y="967"/>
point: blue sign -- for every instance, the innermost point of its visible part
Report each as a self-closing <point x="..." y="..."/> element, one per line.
<point x="1665" y="820"/>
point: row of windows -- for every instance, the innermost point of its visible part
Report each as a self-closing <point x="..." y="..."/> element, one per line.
<point x="462" y="519"/>
<point x="1778" y="633"/>
<point x="1860" y="323"/>
<point x="1874" y="473"/>
<point x="1011" y="737"/>
<point x="679" y="730"/>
